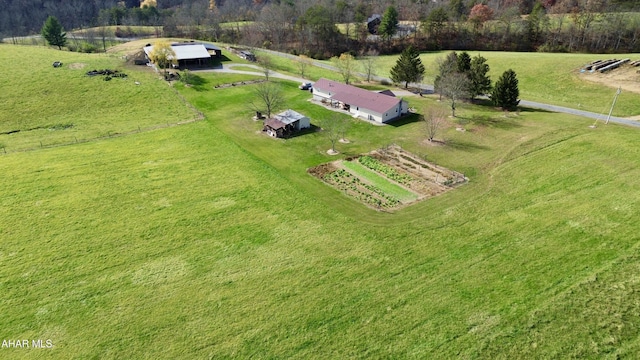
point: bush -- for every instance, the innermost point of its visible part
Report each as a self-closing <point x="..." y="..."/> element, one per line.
<point x="88" y="48"/>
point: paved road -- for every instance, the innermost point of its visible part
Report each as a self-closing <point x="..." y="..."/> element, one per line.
<point x="531" y="104"/>
<point x="230" y="69"/>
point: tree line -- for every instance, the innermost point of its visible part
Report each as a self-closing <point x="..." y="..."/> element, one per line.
<point x="327" y="28"/>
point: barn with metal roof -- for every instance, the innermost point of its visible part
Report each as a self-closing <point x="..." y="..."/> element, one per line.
<point x="191" y="53"/>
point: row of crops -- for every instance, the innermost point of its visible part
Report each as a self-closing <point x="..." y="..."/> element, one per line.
<point x="366" y="193"/>
<point x="385" y="170"/>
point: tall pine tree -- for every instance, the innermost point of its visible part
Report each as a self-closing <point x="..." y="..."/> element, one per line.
<point x="480" y="81"/>
<point x="463" y="62"/>
<point x="53" y="33"/>
<point x="389" y="25"/>
<point x="505" y="94"/>
<point x="408" y="68"/>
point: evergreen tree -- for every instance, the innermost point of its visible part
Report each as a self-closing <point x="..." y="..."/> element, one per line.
<point x="389" y="24"/>
<point x="505" y="94"/>
<point x="457" y="9"/>
<point x="534" y="26"/>
<point x="52" y="32"/>
<point x="463" y="62"/>
<point x="408" y="68"/>
<point x="480" y="81"/>
<point x="435" y="21"/>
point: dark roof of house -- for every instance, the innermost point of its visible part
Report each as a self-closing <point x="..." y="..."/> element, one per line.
<point x="206" y="45"/>
<point x="354" y="96"/>
<point x="275" y="124"/>
<point x="374" y="17"/>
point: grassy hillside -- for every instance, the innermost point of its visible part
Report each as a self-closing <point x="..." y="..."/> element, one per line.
<point x="209" y="240"/>
<point x="59" y="105"/>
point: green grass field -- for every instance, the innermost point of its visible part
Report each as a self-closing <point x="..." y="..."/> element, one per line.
<point x="61" y="105"/>
<point x="210" y="240"/>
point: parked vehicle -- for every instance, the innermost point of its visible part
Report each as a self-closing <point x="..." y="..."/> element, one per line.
<point x="305" y="86"/>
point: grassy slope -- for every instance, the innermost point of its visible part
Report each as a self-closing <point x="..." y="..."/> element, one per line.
<point x="37" y="95"/>
<point x="209" y="240"/>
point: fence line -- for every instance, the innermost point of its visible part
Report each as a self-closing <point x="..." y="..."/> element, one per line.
<point x="109" y="135"/>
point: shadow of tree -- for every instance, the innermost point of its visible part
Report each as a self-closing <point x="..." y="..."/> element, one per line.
<point x="404" y="120"/>
<point x="490" y="121"/>
<point x="533" y="110"/>
<point x="198" y="83"/>
<point x="465" y="146"/>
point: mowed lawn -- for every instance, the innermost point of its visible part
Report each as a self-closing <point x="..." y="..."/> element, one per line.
<point x="210" y="240"/>
<point x="60" y="105"/>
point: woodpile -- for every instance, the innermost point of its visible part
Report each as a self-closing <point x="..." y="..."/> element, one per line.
<point x="606" y="65"/>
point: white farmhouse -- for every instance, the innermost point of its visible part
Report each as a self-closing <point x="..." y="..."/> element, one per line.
<point x="373" y="106"/>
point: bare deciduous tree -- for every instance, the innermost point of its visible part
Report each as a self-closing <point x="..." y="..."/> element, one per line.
<point x="343" y="129"/>
<point x="346" y="65"/>
<point x="303" y="62"/>
<point x="266" y="65"/>
<point x="369" y="63"/>
<point x="268" y="97"/>
<point x="454" y="86"/>
<point x="333" y="130"/>
<point x="435" y="119"/>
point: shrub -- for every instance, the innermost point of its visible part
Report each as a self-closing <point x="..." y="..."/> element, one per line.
<point x="88" y="48"/>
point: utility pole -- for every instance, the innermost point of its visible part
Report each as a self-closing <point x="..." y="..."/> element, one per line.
<point x="613" y="104"/>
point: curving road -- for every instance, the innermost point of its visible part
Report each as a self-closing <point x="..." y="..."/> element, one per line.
<point x="429" y="88"/>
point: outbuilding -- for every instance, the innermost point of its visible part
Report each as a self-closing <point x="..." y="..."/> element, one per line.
<point x="286" y="123"/>
<point x="191" y="53"/>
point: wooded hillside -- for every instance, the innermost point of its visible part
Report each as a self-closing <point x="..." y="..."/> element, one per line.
<point x="328" y="27"/>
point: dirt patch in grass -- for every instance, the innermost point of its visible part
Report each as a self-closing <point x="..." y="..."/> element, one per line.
<point x="77" y="66"/>
<point x="398" y="167"/>
<point x="627" y="77"/>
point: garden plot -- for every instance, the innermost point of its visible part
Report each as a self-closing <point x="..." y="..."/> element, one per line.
<point x="388" y="178"/>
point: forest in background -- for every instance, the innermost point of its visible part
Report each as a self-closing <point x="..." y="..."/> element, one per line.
<point x="325" y="28"/>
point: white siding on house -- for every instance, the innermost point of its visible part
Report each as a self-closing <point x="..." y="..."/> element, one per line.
<point x="387" y="106"/>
